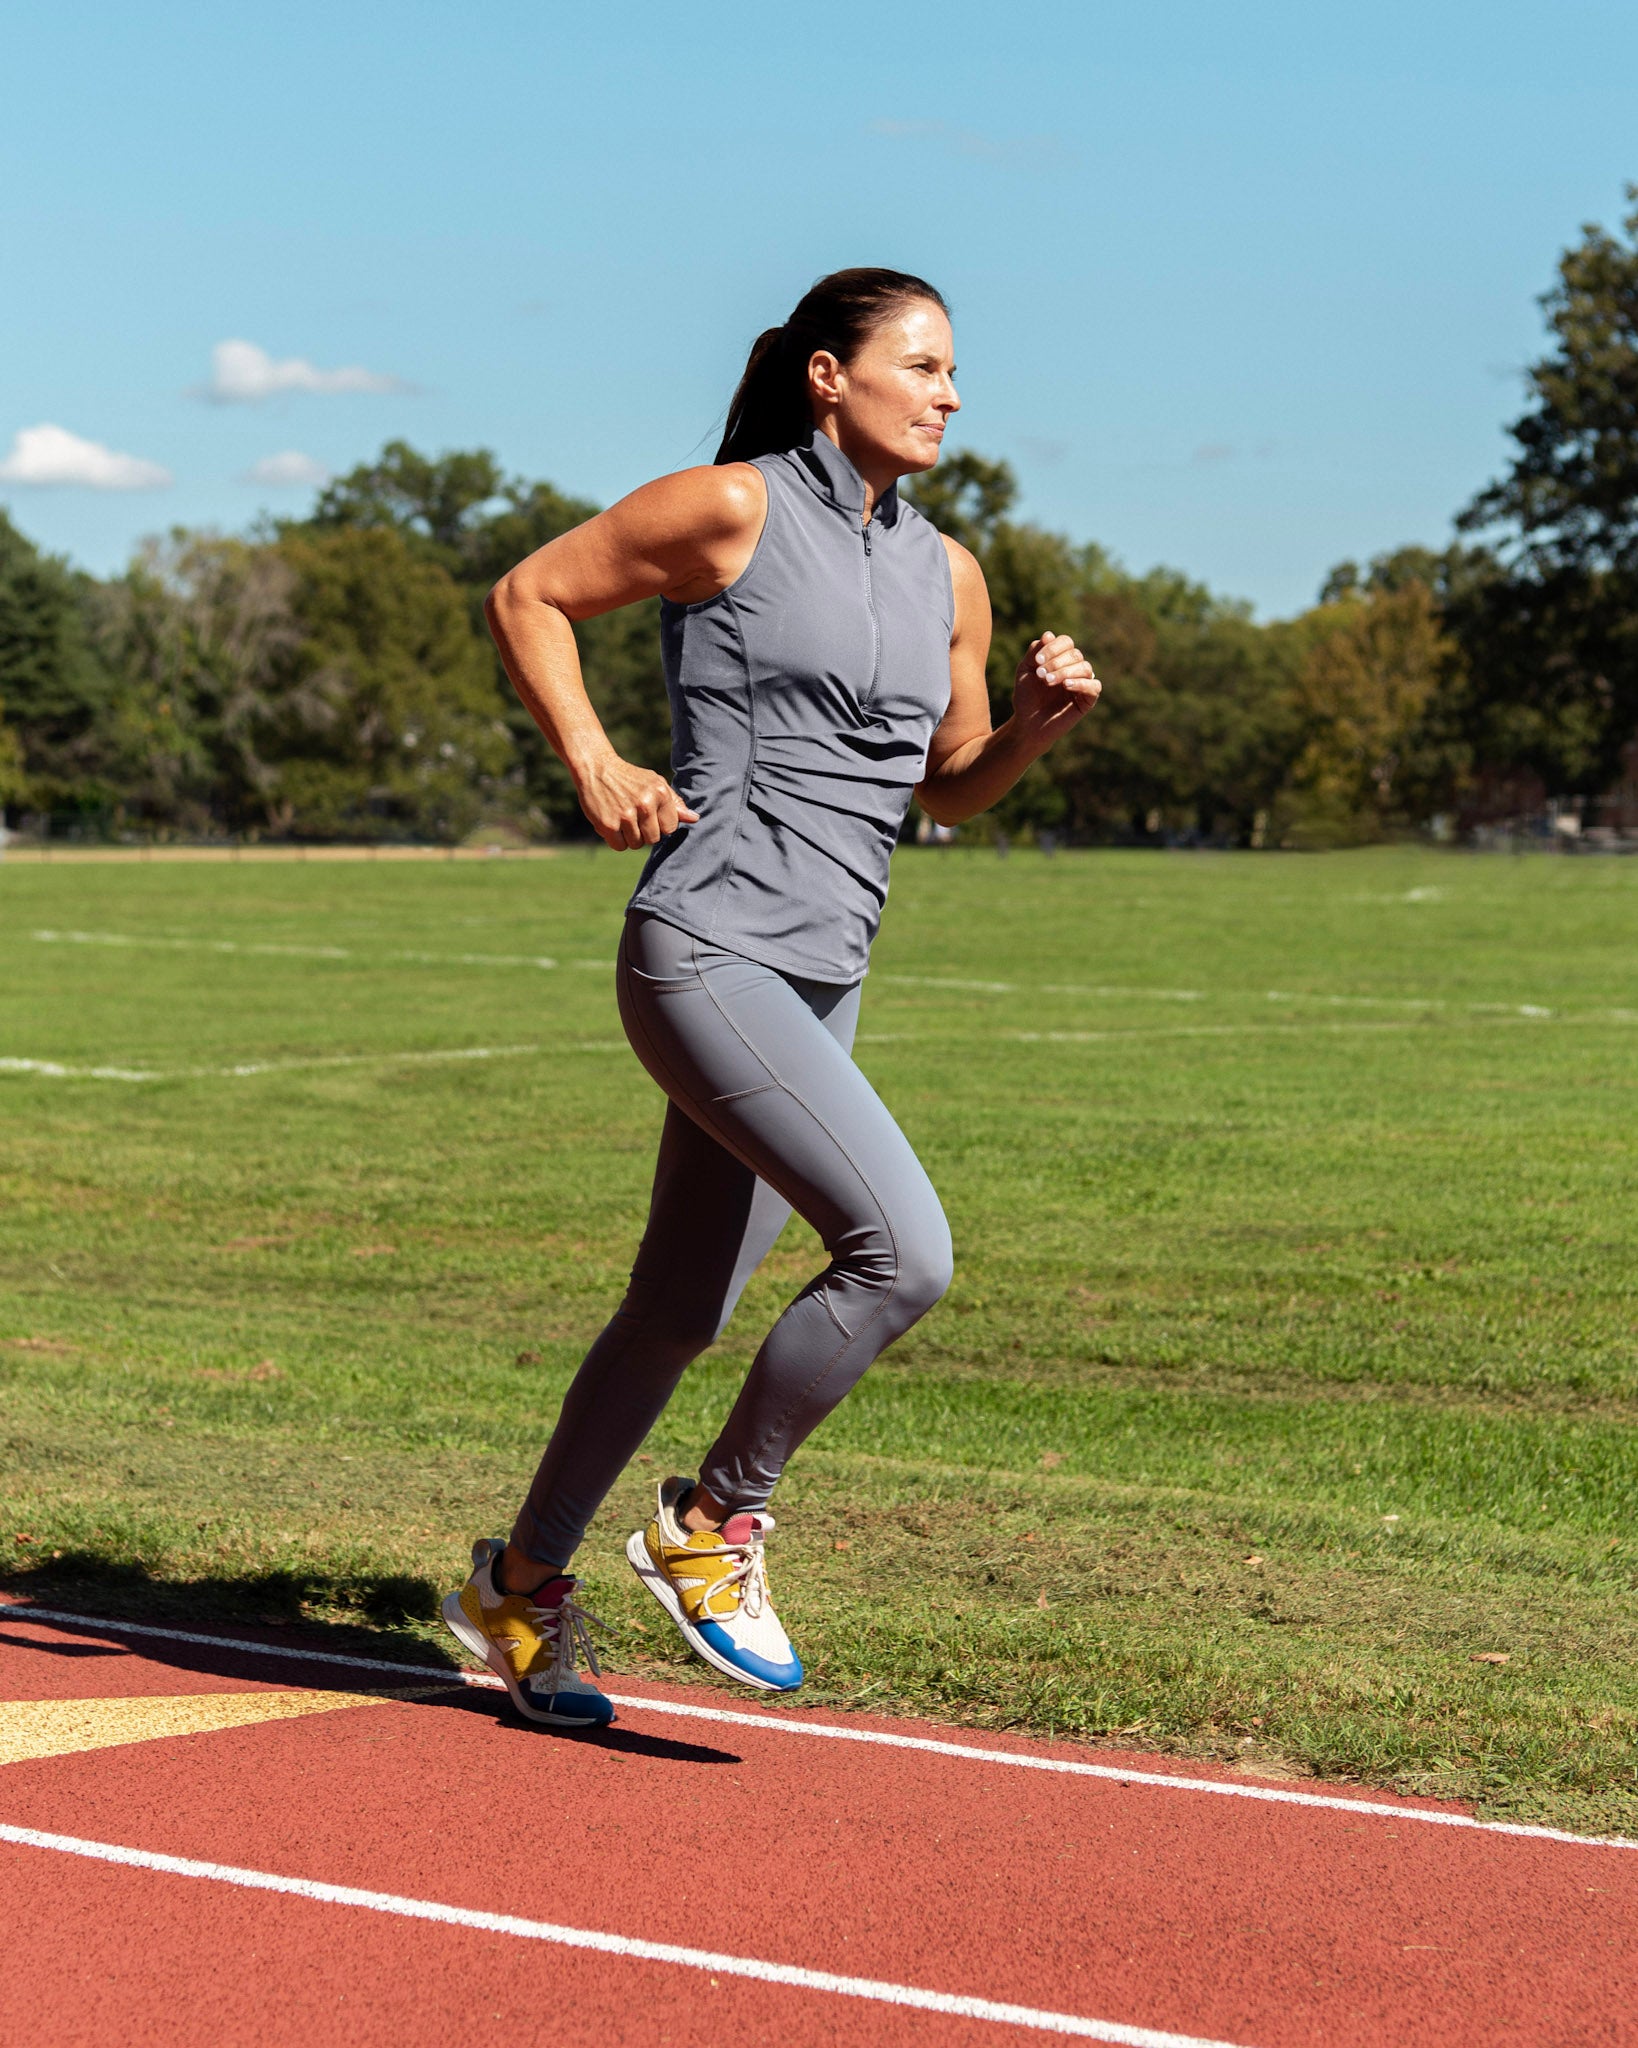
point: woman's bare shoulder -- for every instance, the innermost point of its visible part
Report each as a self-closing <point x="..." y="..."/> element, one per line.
<point x="963" y="562"/>
<point x="967" y="580"/>
<point x="713" y="500"/>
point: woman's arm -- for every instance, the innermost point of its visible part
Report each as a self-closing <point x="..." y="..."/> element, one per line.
<point x="971" y="765"/>
<point x="684" y="537"/>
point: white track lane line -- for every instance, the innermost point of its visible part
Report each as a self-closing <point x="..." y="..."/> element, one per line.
<point x="780" y="1724"/>
<point x="873" y="1988"/>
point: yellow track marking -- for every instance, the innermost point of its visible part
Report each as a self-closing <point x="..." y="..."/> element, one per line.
<point x="30" y="1729"/>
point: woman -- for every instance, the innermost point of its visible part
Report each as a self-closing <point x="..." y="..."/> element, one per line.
<point x="824" y="653"/>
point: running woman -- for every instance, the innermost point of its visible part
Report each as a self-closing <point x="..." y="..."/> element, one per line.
<point x="824" y="650"/>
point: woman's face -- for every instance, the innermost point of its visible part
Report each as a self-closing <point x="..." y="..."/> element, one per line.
<point x="889" y="405"/>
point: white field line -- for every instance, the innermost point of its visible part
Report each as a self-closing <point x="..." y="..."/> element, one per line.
<point x="1098" y="991"/>
<point x="1311" y="1028"/>
<point x="1115" y="992"/>
<point x="780" y="1724"/>
<point x="51" y="938"/>
<point x="56" y="1071"/>
<point x="1051" y="988"/>
<point x="169" y="945"/>
<point x="875" y="1989"/>
<point x="1304" y="1030"/>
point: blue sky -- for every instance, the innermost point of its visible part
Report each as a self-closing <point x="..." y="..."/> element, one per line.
<point x="1241" y="290"/>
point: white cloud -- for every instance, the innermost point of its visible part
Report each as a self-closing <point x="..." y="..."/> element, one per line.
<point x="243" y="374"/>
<point x="288" y="467"/>
<point x="52" y="455"/>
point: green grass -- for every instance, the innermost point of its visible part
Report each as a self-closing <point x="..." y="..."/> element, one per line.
<point x="1291" y="1363"/>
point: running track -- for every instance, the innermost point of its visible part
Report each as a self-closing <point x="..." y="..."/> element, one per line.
<point x="224" y="1845"/>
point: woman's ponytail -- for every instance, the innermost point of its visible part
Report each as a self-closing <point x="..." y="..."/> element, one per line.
<point x="770" y="410"/>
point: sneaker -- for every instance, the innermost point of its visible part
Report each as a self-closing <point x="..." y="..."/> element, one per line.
<point x="530" y="1640"/>
<point x="714" y="1585"/>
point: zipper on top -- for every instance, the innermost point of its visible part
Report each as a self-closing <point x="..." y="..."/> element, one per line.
<point x="875" y="629"/>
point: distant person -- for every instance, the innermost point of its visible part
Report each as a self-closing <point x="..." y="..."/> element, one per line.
<point x="824" y="651"/>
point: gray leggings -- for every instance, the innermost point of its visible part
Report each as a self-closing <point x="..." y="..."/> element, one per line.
<point x="767" y="1114"/>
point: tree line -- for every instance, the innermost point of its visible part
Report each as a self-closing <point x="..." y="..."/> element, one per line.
<point x="330" y="677"/>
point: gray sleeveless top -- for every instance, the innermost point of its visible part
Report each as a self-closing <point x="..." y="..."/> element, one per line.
<point x="803" y="698"/>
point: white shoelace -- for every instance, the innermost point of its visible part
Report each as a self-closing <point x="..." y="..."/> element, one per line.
<point x="749" y="1576"/>
<point x="569" y="1626"/>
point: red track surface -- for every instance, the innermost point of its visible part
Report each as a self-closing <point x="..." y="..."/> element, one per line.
<point x="1228" y="1919"/>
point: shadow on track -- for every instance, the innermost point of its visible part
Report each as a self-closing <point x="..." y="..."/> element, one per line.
<point x="255" y="1611"/>
<point x="246" y="1601"/>
<point x="63" y="1649"/>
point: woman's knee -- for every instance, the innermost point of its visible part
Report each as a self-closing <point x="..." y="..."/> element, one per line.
<point x="926" y="1264"/>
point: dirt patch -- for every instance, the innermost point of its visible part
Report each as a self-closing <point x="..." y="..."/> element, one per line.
<point x="240" y="1375"/>
<point x="1270" y="1766"/>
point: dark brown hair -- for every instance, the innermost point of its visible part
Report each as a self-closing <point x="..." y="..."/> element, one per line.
<point x="770" y="409"/>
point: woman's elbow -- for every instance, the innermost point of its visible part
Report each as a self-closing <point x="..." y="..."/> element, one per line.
<point x="940" y="809"/>
<point x="506" y="608"/>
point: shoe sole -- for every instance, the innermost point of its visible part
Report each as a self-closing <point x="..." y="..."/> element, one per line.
<point x="660" y="1586"/>
<point x="455" y="1620"/>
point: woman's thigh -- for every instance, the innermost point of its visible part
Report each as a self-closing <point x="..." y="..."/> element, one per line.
<point x="741" y="1052"/>
<point x="711" y="1220"/>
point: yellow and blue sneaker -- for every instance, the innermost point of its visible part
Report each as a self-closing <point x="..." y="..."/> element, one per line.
<point x="714" y="1585"/>
<point x="530" y="1641"/>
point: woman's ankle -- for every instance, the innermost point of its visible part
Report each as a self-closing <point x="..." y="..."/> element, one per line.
<point x="700" y="1509"/>
<point x="515" y="1571"/>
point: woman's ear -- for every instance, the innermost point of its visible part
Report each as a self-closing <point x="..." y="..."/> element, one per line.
<point x="824" y="370"/>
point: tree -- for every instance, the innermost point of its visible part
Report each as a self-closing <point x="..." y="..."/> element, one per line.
<point x="1571" y="497"/>
<point x="13" y="779"/>
<point x="386" y="721"/>
<point x="1037" y="582"/>
<point x="1199" y="721"/>
<point x="619" y="650"/>
<point x="437" y="498"/>
<point x="202" y="630"/>
<point x="967" y="496"/>
<point x="1555" y="640"/>
<point x="463" y="512"/>
<point x="328" y="683"/>
<point x="1451" y="574"/>
<point x="55" y="690"/>
<point x="1374" y="661"/>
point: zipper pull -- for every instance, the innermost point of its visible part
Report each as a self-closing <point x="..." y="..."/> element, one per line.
<point x="867" y="536"/>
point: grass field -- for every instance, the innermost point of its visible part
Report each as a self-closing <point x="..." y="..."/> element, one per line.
<point x="1291" y="1364"/>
